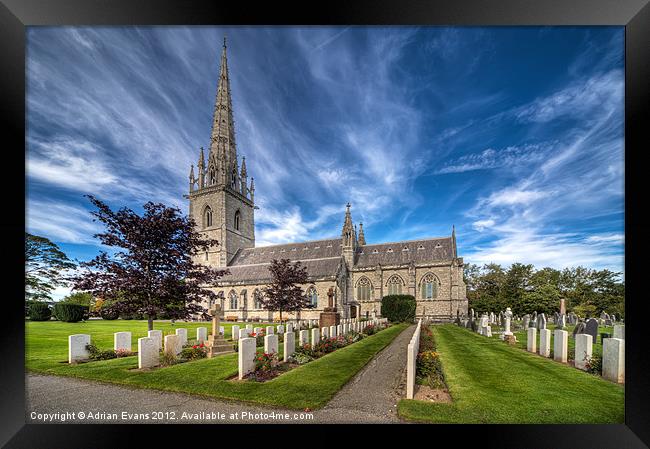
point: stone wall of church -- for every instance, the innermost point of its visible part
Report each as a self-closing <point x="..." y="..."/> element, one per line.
<point x="245" y="236"/>
<point x="198" y="205"/>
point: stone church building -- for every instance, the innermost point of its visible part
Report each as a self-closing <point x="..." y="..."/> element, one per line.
<point x="222" y="202"/>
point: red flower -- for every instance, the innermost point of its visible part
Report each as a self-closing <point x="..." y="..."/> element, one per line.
<point x="194" y="347"/>
<point x="202" y="345"/>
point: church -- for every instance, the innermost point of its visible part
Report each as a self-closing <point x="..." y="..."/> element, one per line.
<point x="222" y="203"/>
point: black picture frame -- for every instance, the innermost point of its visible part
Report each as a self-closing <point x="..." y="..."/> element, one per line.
<point x="15" y="15"/>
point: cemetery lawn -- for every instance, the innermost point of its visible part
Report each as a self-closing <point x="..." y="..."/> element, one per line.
<point x="491" y="382"/>
<point x="311" y="385"/>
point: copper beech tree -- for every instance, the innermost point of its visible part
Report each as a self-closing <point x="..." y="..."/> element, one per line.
<point x="152" y="270"/>
<point x="283" y="293"/>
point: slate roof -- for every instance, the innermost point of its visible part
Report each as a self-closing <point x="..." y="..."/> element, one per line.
<point x="322" y="257"/>
<point x="419" y="251"/>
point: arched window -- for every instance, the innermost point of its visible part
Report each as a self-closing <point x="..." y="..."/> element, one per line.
<point x="429" y="286"/>
<point x="257" y="299"/>
<point x="233" y="300"/>
<point x="364" y="289"/>
<point x="237" y="215"/>
<point x="207" y="217"/>
<point x="312" y="296"/>
<point x="394" y="285"/>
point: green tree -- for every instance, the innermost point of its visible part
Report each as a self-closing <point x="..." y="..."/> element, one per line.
<point x="44" y="262"/>
<point x="545" y="299"/>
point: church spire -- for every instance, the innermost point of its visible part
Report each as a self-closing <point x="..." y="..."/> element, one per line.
<point x="222" y="143"/>
<point x="348" y="234"/>
<point x="362" y="237"/>
<point x="453" y="240"/>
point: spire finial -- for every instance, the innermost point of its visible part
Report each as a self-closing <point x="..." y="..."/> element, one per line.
<point x="224" y="40"/>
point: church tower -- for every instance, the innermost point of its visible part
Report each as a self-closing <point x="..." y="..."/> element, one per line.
<point x="221" y="200"/>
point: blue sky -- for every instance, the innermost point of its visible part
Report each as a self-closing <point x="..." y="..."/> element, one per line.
<point x="513" y="134"/>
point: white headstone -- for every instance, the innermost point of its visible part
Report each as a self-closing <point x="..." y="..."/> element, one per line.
<point x="325" y="332"/>
<point x="289" y="344"/>
<point x="77" y="347"/>
<point x="244" y="333"/>
<point x="614" y="359"/>
<point x="122" y="340"/>
<point x="257" y="330"/>
<point x="222" y="330"/>
<point x="157" y="337"/>
<point x="488" y="331"/>
<point x="280" y="329"/>
<point x="148" y="355"/>
<point x="531" y="343"/>
<point x="182" y="334"/>
<point x="303" y="338"/>
<point x="289" y="327"/>
<point x="584" y="348"/>
<point x="235" y="332"/>
<point x="271" y="344"/>
<point x="545" y="342"/>
<point x="508" y="317"/>
<point x="173" y="344"/>
<point x="339" y="329"/>
<point x="269" y="330"/>
<point x="333" y="331"/>
<point x="247" y="350"/>
<point x="249" y="327"/>
<point x="560" y="345"/>
<point x="619" y="331"/>
<point x="315" y="336"/>
<point x="201" y="334"/>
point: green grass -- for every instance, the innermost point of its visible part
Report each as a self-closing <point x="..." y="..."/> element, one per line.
<point x="491" y="382"/>
<point x="311" y="385"/>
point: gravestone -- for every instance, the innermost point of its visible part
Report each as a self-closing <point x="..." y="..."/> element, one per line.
<point x="280" y="329"/>
<point x="122" y="340"/>
<point x="584" y="348"/>
<point x="303" y="337"/>
<point x="508" y="317"/>
<point x="271" y="344"/>
<point x="148" y="355"/>
<point x="560" y="345"/>
<point x="339" y="329"/>
<point x="269" y="330"/>
<point x="579" y="329"/>
<point x="222" y="330"/>
<point x="531" y="341"/>
<point x="182" y="335"/>
<point x="591" y="328"/>
<point x="614" y="360"/>
<point x="561" y="323"/>
<point x="173" y="344"/>
<point x="325" y="332"/>
<point x="562" y="306"/>
<point x="525" y="321"/>
<point x="534" y="317"/>
<point x="488" y="331"/>
<point x="541" y="321"/>
<point x="247" y="351"/>
<point x="201" y="334"/>
<point x="289" y="327"/>
<point x="257" y="330"/>
<point x="315" y="336"/>
<point x="249" y="327"/>
<point x="545" y="342"/>
<point x="329" y="316"/>
<point x="333" y="331"/>
<point x="157" y="337"/>
<point x="244" y="333"/>
<point x="235" y="332"/>
<point x="619" y="331"/>
<point x="77" y="351"/>
<point x="289" y="345"/>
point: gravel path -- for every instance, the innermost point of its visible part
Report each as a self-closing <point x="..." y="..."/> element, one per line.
<point x="370" y="397"/>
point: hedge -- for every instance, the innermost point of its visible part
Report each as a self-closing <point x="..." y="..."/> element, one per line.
<point x="398" y="308"/>
<point x="39" y="311"/>
<point x="70" y="313"/>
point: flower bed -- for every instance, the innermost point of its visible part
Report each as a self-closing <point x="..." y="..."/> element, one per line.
<point x="428" y="366"/>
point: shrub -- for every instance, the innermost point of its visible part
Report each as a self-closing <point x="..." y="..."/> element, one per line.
<point x="398" y="308"/>
<point x="259" y="338"/>
<point x="194" y="352"/>
<point x="39" y="311"/>
<point x="265" y="361"/>
<point x="97" y="354"/>
<point x="427" y="343"/>
<point x="123" y="353"/>
<point x="301" y="358"/>
<point x="70" y="313"/>
<point x="168" y="359"/>
<point x="108" y="314"/>
<point x="594" y="364"/>
<point x="429" y="369"/>
<point x="370" y="329"/>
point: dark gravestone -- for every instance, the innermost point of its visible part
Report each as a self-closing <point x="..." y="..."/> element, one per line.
<point x="541" y="321"/>
<point x="591" y="328"/>
<point x="579" y="329"/>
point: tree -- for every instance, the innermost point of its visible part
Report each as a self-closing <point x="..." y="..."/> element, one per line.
<point x="153" y="271"/>
<point x="44" y="262"/>
<point x="284" y="293"/>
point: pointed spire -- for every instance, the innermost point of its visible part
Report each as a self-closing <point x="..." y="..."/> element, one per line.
<point x="201" y="166"/>
<point x="362" y="237"/>
<point x="223" y="127"/>
<point x="192" y="178"/>
<point x="453" y="240"/>
<point x="252" y="189"/>
<point x="348" y="233"/>
<point x="243" y="168"/>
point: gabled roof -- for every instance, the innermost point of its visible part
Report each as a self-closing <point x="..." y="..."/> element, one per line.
<point x="315" y="249"/>
<point x="417" y="251"/>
